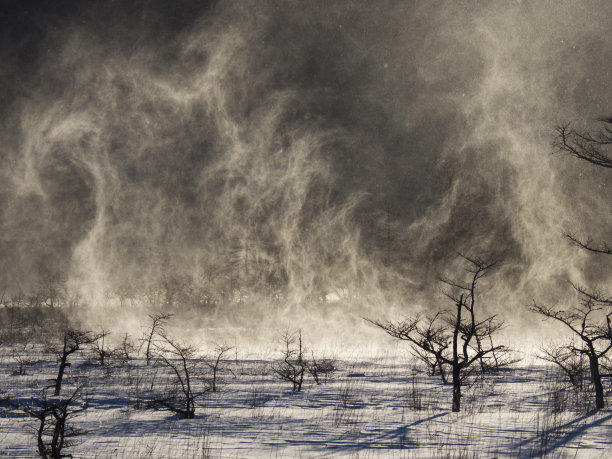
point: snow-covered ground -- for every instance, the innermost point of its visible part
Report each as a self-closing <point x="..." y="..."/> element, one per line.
<point x="372" y="407"/>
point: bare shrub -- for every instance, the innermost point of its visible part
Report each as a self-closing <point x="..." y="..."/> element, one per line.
<point x="217" y="364"/>
<point x="292" y="366"/>
<point x="573" y="364"/>
<point x="158" y="321"/>
<point x="100" y="347"/>
<point x="181" y="397"/>
<point x="54" y="433"/>
<point x="125" y="350"/>
<point x="22" y="354"/>
<point x="321" y="370"/>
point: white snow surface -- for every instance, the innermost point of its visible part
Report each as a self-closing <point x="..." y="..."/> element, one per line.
<point x="372" y="407"/>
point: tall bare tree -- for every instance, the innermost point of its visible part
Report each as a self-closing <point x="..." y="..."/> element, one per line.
<point x="591" y="325"/>
<point x="457" y="340"/>
<point x="73" y="342"/>
<point x="157" y="327"/>
<point x="588" y="321"/>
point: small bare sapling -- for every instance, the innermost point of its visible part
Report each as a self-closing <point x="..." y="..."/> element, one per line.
<point x="218" y="365"/>
<point x="293" y="365"/>
<point x="100" y="347"/>
<point x="158" y="321"/>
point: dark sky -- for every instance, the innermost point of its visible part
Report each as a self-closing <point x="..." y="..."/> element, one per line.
<point x="318" y="146"/>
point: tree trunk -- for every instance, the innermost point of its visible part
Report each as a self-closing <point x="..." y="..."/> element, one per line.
<point x="596" y="380"/>
<point x="456" y="387"/>
<point x="148" y="352"/>
<point x="41" y="431"/>
<point x="456" y="369"/>
<point x="60" y="371"/>
<point x="442" y="373"/>
<point x="102" y="351"/>
<point x="57" y="443"/>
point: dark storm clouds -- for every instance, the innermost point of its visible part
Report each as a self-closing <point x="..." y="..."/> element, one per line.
<point x="318" y="146"/>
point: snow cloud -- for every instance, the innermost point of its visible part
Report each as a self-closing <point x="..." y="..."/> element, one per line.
<point x="242" y="160"/>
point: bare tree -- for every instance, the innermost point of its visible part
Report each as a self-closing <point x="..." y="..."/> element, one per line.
<point x="320" y="369"/>
<point x="588" y="323"/>
<point x="594" y="148"/>
<point x="180" y="359"/>
<point x="73" y="340"/>
<point x="53" y="431"/>
<point x="157" y="326"/>
<point x="293" y="365"/>
<point x="125" y="349"/>
<point x="217" y="364"/>
<point x="22" y="353"/>
<point x="456" y="340"/>
<point x="572" y="363"/>
<point x="100" y="347"/>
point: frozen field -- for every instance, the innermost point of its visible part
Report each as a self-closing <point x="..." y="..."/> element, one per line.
<point x="371" y="407"/>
